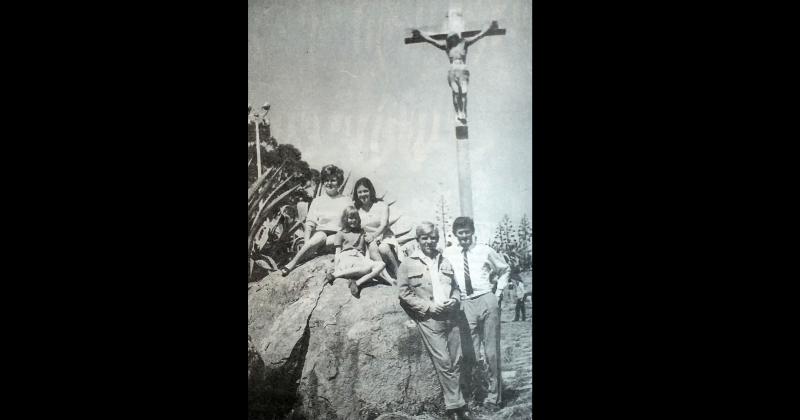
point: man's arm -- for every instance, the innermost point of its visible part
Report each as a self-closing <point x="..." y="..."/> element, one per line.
<point x="500" y="269"/>
<point x="450" y="255"/>
<point x="473" y="39"/>
<point x="446" y="270"/>
<point x="407" y="295"/>
<point x="438" y="44"/>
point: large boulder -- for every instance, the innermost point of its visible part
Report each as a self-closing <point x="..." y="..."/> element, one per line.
<point x="328" y="355"/>
<point x="255" y="379"/>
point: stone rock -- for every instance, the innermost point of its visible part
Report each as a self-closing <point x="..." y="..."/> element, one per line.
<point x="255" y="377"/>
<point x="394" y="416"/>
<point x="328" y="355"/>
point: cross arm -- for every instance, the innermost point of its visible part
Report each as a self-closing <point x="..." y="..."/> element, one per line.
<point x="465" y="34"/>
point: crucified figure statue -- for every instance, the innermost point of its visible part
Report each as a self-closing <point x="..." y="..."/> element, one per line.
<point x="458" y="76"/>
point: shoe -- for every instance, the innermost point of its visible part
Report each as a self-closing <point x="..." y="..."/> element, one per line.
<point x="354" y="289"/>
<point x="490" y="405"/>
<point x="463" y="413"/>
<point x="515" y="320"/>
<point x="285" y="271"/>
<point x="329" y="277"/>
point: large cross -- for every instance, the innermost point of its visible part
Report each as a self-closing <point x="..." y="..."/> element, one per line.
<point x="458" y="78"/>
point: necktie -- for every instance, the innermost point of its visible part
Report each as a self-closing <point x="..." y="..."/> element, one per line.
<point x="467" y="280"/>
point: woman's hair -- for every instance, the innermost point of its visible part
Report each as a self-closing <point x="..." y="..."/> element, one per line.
<point x="331" y="171"/>
<point x="367" y="183"/>
<point x="348" y="211"/>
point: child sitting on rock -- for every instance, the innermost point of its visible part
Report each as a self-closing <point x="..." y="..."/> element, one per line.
<point x="351" y="260"/>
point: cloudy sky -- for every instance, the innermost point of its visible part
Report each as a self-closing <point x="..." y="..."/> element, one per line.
<point x="345" y="89"/>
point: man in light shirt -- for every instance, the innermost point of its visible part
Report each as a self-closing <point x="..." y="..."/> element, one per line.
<point x="430" y="296"/>
<point x="477" y="269"/>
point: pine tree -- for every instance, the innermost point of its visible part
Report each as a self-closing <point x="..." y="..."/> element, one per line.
<point x="443" y="223"/>
<point x="525" y="248"/>
<point x="505" y="237"/>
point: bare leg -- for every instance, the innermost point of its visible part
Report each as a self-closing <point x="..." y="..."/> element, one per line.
<point x="375" y="269"/>
<point x="387" y="256"/>
<point x="456" y="103"/>
<point x="464" y="85"/>
<point x="460" y="113"/>
<point x="314" y="242"/>
<point x="454" y="86"/>
<point x="373" y="252"/>
<point x="352" y="272"/>
<point x="375" y="255"/>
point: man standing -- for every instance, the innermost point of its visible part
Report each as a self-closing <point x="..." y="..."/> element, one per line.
<point x="430" y="295"/>
<point x="476" y="268"/>
<point x="519" y="294"/>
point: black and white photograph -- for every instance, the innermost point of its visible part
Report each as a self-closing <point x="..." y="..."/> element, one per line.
<point x="390" y="231"/>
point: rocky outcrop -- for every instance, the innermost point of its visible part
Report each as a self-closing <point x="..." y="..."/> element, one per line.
<point x="255" y="378"/>
<point x="328" y="355"/>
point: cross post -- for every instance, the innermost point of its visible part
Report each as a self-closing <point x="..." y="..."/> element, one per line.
<point x="455" y="43"/>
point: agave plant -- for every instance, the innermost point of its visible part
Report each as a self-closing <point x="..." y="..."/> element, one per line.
<point x="266" y="193"/>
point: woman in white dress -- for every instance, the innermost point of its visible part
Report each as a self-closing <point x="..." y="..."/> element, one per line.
<point x="324" y="217"/>
<point x="374" y="214"/>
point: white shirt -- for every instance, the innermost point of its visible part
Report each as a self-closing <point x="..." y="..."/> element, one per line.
<point x="485" y="265"/>
<point x="440" y="295"/>
<point x="325" y="213"/>
<point x="371" y="220"/>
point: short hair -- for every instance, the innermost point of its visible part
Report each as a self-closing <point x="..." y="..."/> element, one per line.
<point x="462" y="222"/>
<point x="422" y="227"/>
<point x="331" y="171"/>
<point x="367" y="183"/>
<point x="348" y="211"/>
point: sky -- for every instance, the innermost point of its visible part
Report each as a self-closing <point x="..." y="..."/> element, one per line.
<point x="345" y="89"/>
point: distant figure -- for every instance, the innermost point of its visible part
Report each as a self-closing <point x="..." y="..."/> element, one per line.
<point x="458" y="75"/>
<point x="382" y="244"/>
<point x="324" y="216"/>
<point x="430" y="295"/>
<point x="351" y="259"/>
<point x="519" y="294"/>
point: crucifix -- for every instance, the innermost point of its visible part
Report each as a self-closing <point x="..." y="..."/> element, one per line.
<point x="455" y="43"/>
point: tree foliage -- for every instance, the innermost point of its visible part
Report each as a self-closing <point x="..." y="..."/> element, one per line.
<point x="443" y="221"/>
<point x="525" y="248"/>
<point x="286" y="156"/>
<point x="514" y="242"/>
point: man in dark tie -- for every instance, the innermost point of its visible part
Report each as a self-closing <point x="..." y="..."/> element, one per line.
<point x="477" y="268"/>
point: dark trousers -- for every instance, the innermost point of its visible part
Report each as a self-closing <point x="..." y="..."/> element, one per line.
<point x="483" y="317"/>
<point x="520" y="308"/>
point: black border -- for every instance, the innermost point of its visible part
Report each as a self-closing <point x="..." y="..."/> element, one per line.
<point x="134" y="305"/>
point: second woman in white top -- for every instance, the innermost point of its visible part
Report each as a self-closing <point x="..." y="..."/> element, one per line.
<point x="375" y="222"/>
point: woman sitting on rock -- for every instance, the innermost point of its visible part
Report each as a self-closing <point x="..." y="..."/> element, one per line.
<point x="382" y="244"/>
<point x="351" y="259"/>
<point x="324" y="215"/>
